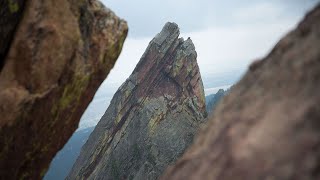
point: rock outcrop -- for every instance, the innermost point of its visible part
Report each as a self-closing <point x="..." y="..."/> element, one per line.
<point x="152" y="117"/>
<point x="54" y="55"/>
<point x="268" y="126"/>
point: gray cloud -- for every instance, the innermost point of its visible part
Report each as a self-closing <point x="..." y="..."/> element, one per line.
<point x="146" y="17"/>
<point x="228" y="35"/>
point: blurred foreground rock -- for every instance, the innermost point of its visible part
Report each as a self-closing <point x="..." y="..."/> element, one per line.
<point x="54" y="56"/>
<point x="268" y="126"/>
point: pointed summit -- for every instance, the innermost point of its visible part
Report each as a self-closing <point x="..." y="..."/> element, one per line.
<point x="169" y="33"/>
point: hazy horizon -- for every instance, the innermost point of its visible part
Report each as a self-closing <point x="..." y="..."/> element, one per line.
<point x="226" y="41"/>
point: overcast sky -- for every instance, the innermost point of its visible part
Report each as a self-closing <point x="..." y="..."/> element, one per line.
<point x="146" y="17"/>
<point x="228" y="35"/>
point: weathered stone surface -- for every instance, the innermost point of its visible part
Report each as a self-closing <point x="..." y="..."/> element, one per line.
<point x="267" y="127"/>
<point x="153" y="116"/>
<point x="60" y="53"/>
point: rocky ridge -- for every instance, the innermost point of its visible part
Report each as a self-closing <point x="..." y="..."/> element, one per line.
<point x="153" y="116"/>
<point x="267" y="127"/>
<point x="54" y="55"/>
<point x="213" y="100"/>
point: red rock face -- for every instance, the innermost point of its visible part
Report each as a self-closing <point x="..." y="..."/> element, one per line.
<point x="153" y="116"/>
<point x="59" y="55"/>
<point x="267" y="127"/>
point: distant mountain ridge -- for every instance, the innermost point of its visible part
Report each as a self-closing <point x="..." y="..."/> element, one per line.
<point x="213" y="99"/>
<point x="63" y="161"/>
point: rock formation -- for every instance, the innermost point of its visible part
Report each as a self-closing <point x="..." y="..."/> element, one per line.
<point x="152" y="117"/>
<point x="268" y="126"/>
<point x="54" y="55"/>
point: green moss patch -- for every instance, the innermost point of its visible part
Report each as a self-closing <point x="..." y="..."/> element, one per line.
<point x="13" y="6"/>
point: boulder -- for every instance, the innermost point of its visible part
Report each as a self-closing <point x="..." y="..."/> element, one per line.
<point x="54" y="56"/>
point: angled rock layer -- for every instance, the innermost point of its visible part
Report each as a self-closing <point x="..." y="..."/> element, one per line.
<point x="268" y="126"/>
<point x="153" y="116"/>
<point x="52" y="62"/>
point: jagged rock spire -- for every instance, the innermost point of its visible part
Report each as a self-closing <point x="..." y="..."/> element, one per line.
<point x="152" y="117"/>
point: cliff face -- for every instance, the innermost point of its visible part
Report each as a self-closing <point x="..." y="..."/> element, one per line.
<point x="152" y="117"/>
<point x="267" y="127"/>
<point x="54" y="55"/>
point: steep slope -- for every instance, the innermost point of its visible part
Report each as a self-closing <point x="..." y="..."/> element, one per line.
<point x="268" y="126"/>
<point x="153" y="116"/>
<point x="54" y="55"/>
